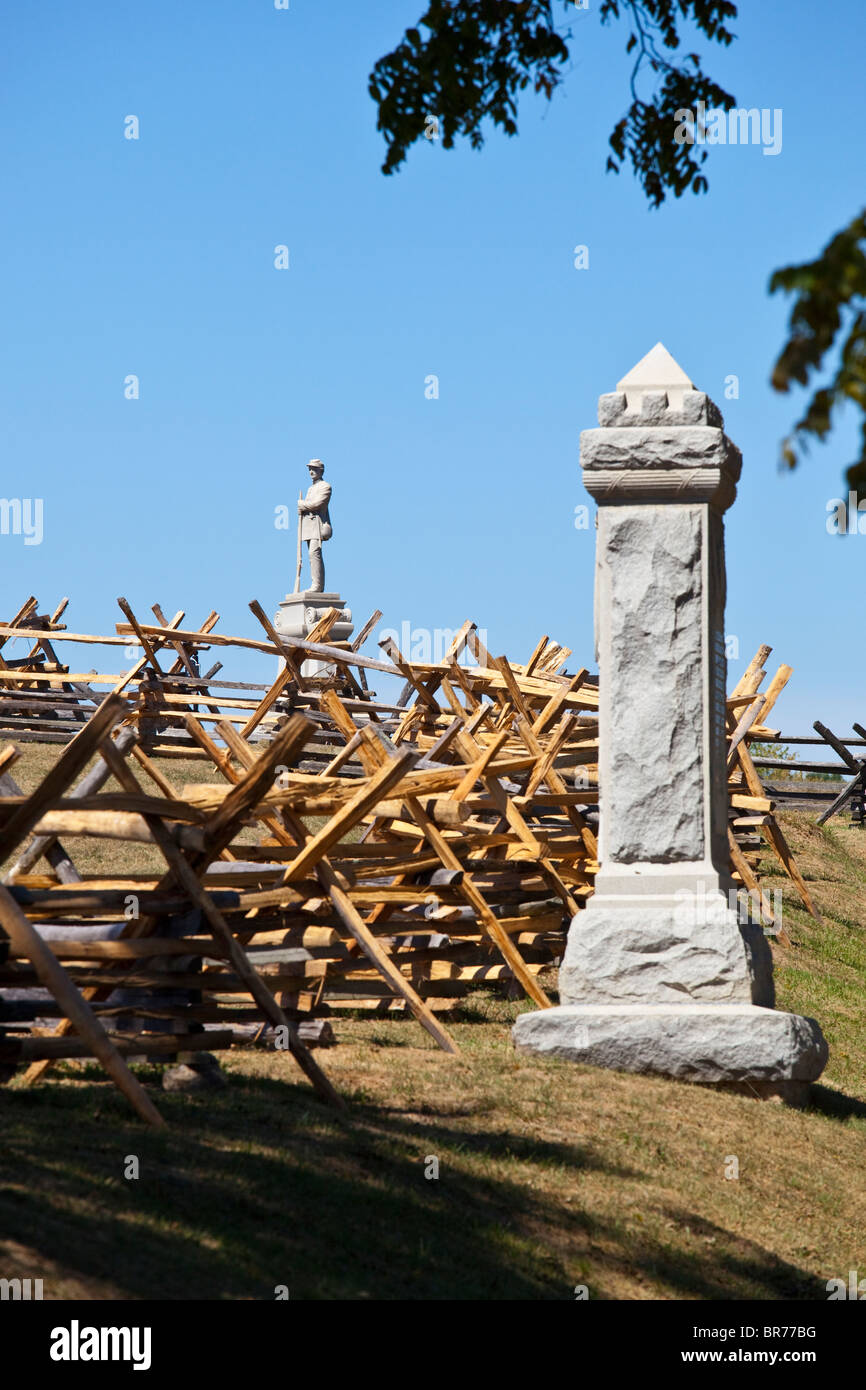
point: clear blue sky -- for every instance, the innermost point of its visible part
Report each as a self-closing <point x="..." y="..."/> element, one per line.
<point x="155" y="257"/>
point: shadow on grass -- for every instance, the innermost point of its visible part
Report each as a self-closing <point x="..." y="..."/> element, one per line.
<point x="258" y="1185"/>
<point x="836" y="1104"/>
<point x="732" y="1262"/>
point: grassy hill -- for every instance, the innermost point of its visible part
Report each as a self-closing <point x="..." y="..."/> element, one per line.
<point x="550" y="1175"/>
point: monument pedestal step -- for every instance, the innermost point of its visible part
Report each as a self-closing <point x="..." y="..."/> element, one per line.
<point x="298" y="614"/>
<point x="759" y="1051"/>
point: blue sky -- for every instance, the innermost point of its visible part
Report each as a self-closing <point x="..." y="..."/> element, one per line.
<point x="156" y="257"/>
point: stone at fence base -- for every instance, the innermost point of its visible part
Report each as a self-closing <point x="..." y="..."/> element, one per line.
<point x="760" y="1051"/>
<point x="198" y="1072"/>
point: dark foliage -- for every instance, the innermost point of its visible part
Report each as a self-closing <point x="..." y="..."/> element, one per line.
<point x="476" y="56"/>
<point x="831" y="302"/>
<point x="473" y="59"/>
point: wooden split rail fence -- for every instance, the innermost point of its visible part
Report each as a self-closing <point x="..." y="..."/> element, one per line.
<point x="347" y="853"/>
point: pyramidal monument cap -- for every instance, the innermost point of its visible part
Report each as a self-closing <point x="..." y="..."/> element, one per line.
<point x="656" y="371"/>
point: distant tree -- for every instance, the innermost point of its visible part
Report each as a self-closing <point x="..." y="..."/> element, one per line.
<point x="782" y="752"/>
<point x="476" y="56"/>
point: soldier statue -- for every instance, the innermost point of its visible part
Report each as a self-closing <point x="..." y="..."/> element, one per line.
<point x="314" y="526"/>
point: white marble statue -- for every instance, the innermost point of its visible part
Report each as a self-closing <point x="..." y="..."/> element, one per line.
<point x="314" y="526"/>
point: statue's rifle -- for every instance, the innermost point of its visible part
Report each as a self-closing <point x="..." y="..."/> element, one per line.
<point x="300" y="546"/>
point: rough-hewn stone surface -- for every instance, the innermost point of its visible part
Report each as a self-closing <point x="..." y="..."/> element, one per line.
<point x="691" y="1042"/>
<point x="657" y="446"/>
<point x="655" y="409"/>
<point x="641" y="951"/>
<point x="651" y="617"/>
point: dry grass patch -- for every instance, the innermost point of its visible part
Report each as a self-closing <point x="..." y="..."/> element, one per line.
<point x="550" y="1175"/>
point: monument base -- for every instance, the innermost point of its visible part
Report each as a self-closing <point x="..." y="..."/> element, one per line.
<point x="298" y="614"/>
<point x="760" y="1051"/>
<point x="653" y="947"/>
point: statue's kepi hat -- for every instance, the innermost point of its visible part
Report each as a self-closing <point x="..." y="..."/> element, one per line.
<point x="316" y="463"/>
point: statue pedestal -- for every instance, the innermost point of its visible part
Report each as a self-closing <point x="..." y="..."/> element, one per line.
<point x="298" y="614"/>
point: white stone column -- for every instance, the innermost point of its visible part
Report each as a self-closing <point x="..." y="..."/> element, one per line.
<point x="659" y="974"/>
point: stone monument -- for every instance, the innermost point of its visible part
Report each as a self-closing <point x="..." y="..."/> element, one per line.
<point x="299" y="611"/>
<point x="661" y="973"/>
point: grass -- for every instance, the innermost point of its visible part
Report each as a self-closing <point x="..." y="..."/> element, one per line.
<point x="93" y="856"/>
<point x="549" y="1175"/>
<point x="823" y="974"/>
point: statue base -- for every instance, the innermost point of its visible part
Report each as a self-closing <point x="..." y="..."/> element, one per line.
<point x="298" y="614"/>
